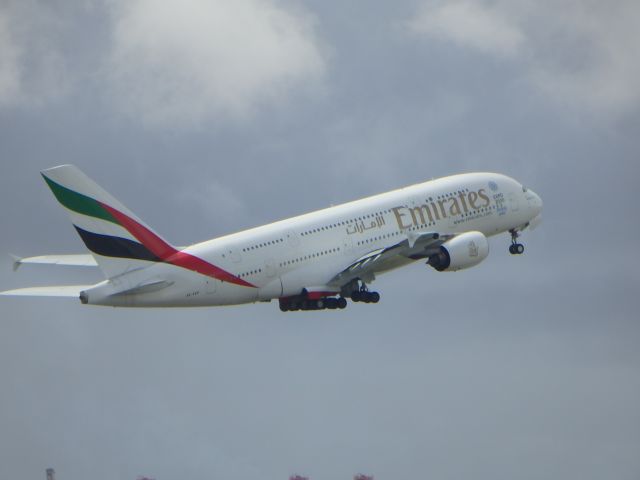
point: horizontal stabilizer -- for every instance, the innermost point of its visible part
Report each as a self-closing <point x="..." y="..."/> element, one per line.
<point x="146" y="288"/>
<point x="76" y="260"/>
<point x="72" y="291"/>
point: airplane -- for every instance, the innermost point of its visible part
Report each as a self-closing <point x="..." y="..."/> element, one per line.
<point x="314" y="261"/>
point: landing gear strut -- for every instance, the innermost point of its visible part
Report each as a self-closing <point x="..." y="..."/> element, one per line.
<point x="360" y="293"/>
<point x="515" y="248"/>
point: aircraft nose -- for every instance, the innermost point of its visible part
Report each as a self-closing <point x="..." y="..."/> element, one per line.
<point x="535" y="201"/>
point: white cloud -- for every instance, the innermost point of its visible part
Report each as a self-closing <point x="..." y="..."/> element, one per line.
<point x="469" y="24"/>
<point x="584" y="54"/>
<point x="185" y="62"/>
<point x="32" y="70"/>
<point x="594" y="57"/>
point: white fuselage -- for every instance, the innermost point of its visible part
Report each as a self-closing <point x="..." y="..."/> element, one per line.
<point x="283" y="258"/>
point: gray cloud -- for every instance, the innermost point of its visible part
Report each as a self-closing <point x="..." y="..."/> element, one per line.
<point x="32" y="68"/>
<point x="519" y="368"/>
<point x="469" y="24"/>
<point x="582" y="56"/>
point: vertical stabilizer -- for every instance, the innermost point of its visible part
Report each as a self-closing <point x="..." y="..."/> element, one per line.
<point x="116" y="237"/>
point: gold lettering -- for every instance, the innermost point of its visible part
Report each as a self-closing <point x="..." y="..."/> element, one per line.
<point x="399" y="215"/>
<point x="454" y="208"/>
<point x="442" y="209"/>
<point x="435" y="211"/>
<point x="473" y="197"/>
<point x="419" y="211"/>
<point x="464" y="202"/>
<point x="482" y="195"/>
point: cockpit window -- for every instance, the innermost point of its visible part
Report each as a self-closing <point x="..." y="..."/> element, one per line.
<point x="524" y="189"/>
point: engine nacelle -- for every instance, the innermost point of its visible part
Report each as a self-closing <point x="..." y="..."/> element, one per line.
<point x="464" y="251"/>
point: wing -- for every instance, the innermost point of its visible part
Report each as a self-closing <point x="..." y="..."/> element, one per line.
<point x="417" y="245"/>
<point x="80" y="260"/>
<point x="56" y="291"/>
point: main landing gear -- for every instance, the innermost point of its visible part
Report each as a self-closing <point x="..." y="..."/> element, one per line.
<point x="298" y="303"/>
<point x="356" y="290"/>
<point x="515" y="248"/>
<point x="365" y="296"/>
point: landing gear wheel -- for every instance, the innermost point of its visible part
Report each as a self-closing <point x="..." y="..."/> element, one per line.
<point x="358" y="292"/>
<point x="515" y="248"/>
<point x="342" y="303"/>
<point x="365" y="297"/>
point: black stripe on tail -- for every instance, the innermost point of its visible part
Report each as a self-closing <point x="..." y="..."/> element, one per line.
<point x="109" y="246"/>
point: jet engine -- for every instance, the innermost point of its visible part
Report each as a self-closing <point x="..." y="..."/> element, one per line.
<point x="464" y="251"/>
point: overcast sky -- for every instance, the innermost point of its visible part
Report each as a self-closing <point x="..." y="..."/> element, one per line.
<point x="208" y="117"/>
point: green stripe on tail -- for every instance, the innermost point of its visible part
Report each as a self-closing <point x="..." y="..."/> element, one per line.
<point x="79" y="203"/>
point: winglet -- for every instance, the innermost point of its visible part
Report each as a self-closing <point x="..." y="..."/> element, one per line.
<point x="17" y="261"/>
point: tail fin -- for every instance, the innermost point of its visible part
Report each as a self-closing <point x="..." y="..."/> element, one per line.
<point x="118" y="240"/>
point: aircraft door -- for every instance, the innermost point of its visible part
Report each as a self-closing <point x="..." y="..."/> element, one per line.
<point x="514" y="204"/>
<point x="293" y="239"/>
<point x="210" y="286"/>
<point x="270" y="268"/>
<point x="233" y="255"/>
<point x="347" y="245"/>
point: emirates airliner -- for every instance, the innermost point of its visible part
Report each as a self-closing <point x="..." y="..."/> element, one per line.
<point x="314" y="261"/>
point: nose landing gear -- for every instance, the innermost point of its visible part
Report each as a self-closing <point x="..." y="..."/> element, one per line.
<point x="515" y="248"/>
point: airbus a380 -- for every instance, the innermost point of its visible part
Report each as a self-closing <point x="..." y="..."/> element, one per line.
<point x="309" y="262"/>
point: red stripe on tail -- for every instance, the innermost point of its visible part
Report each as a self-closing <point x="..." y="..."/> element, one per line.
<point x="168" y="254"/>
